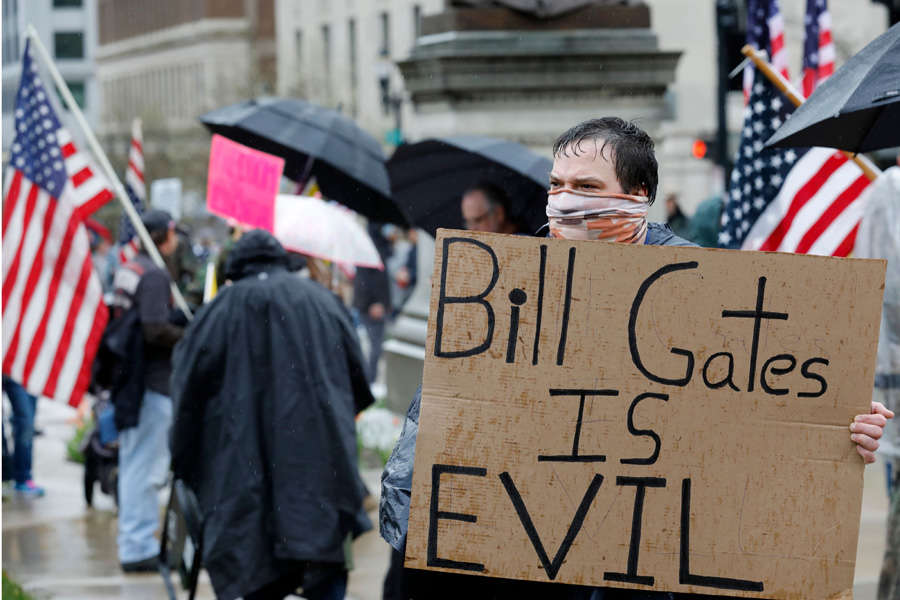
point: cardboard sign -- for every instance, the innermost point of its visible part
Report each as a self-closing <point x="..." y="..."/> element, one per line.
<point x="243" y="183"/>
<point x="643" y="417"/>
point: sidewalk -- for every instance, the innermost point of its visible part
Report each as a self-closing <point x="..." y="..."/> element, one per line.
<point x="56" y="547"/>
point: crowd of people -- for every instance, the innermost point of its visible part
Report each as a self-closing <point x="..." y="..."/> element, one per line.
<point x="252" y="404"/>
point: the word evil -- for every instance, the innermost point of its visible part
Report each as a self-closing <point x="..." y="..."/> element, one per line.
<point x="552" y="566"/>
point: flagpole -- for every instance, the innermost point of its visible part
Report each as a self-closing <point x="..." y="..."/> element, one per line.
<point x="778" y="80"/>
<point x="132" y="213"/>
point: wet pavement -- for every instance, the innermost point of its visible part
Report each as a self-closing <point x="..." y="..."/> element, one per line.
<point x="56" y="547"/>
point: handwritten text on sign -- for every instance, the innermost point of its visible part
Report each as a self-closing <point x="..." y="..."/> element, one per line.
<point x="243" y="183"/>
<point x="643" y="417"/>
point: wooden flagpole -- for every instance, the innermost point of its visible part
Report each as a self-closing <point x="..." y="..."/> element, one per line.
<point x="132" y="213"/>
<point x="778" y="80"/>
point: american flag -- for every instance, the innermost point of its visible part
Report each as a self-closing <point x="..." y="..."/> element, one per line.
<point x="804" y="200"/>
<point x="53" y="310"/>
<point x="818" y="49"/>
<point x="137" y="193"/>
<point x="765" y="31"/>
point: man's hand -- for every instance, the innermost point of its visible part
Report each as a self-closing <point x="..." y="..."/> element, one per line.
<point x="868" y="429"/>
<point x="376" y="311"/>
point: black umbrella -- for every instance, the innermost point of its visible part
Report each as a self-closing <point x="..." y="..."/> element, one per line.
<point x="347" y="162"/>
<point x="858" y="108"/>
<point x="428" y="179"/>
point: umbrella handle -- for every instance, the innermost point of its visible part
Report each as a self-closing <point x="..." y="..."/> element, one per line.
<point x="304" y="178"/>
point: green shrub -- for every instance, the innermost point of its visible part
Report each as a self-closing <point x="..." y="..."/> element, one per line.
<point x="73" y="447"/>
<point x="12" y="590"/>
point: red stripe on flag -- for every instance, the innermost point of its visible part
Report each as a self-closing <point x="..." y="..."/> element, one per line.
<point x="101" y="316"/>
<point x="802" y="196"/>
<point x="826" y="70"/>
<point x="91" y="206"/>
<point x="843" y="200"/>
<point x="62" y="349"/>
<point x="137" y="145"/>
<point x="824" y="37"/>
<point x="809" y="81"/>
<point x="68" y="150"/>
<point x="34" y="277"/>
<point x="777" y="43"/>
<point x="846" y="247"/>
<point x="135" y="170"/>
<point x="12" y="198"/>
<point x="9" y="279"/>
<point x="38" y="340"/>
<point x="82" y="176"/>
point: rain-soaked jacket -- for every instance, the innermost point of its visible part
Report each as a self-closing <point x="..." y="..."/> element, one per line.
<point x="396" y="481"/>
<point x="879" y="237"/>
<point x="266" y="385"/>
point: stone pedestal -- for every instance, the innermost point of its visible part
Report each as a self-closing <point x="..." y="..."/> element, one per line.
<point x="499" y="73"/>
<point x="404" y="353"/>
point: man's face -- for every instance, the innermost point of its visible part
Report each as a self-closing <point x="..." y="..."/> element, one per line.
<point x="168" y="247"/>
<point x="479" y="215"/>
<point x="589" y="171"/>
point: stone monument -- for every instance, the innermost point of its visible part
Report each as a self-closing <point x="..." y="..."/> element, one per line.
<point x="522" y="70"/>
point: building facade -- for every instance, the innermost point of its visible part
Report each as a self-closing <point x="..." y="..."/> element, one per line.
<point x="340" y="53"/>
<point x="68" y="29"/>
<point x="170" y="61"/>
<point x="343" y="53"/>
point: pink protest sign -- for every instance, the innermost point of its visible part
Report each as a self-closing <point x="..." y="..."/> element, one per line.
<point x="243" y="183"/>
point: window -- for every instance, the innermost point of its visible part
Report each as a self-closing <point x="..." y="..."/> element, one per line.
<point x="10" y="32"/>
<point x="326" y="46"/>
<point x="351" y="40"/>
<point x="78" y="92"/>
<point x="66" y="3"/>
<point x="77" y="89"/>
<point x="298" y="48"/>
<point x="68" y="44"/>
<point x="326" y="60"/>
<point x="385" y="34"/>
<point x="9" y="99"/>
<point x="417" y="21"/>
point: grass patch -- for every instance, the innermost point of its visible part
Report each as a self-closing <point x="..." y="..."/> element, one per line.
<point x="12" y="590"/>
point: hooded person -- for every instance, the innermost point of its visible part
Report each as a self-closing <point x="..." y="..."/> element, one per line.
<point x="267" y="382"/>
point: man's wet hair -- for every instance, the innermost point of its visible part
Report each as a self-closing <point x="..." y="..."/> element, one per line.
<point x="630" y="150"/>
<point x="496" y="195"/>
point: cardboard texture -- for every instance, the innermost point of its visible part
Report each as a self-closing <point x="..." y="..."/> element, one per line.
<point x="576" y="452"/>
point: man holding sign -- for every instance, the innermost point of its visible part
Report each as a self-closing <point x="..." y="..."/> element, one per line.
<point x="604" y="177"/>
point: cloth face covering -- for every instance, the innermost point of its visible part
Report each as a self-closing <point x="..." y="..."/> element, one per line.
<point x="607" y="216"/>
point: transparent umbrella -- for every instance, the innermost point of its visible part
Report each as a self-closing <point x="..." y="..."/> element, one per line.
<point x="324" y="230"/>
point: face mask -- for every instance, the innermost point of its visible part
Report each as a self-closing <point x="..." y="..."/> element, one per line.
<point x="606" y="216"/>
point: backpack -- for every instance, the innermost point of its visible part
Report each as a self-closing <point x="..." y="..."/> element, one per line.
<point x="118" y="365"/>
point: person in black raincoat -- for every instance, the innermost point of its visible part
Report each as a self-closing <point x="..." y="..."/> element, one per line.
<point x="267" y="382"/>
